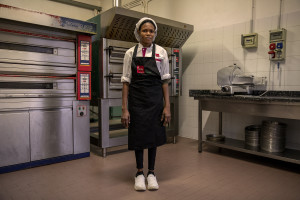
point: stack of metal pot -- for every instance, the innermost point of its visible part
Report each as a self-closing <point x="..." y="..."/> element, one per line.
<point x="273" y="136"/>
<point x="270" y="136"/>
<point x="252" y="136"/>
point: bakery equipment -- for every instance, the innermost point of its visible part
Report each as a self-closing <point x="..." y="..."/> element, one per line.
<point x="114" y="37"/>
<point x="232" y="80"/>
<point x="45" y="69"/>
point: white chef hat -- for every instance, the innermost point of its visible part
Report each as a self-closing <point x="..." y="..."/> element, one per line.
<point x="137" y="26"/>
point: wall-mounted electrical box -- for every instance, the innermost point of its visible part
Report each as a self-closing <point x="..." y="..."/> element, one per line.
<point x="277" y="44"/>
<point x="249" y="40"/>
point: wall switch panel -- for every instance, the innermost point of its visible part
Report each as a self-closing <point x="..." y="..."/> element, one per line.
<point x="249" y="40"/>
<point x="277" y="45"/>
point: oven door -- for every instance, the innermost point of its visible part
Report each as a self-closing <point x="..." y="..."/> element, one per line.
<point x="112" y="62"/>
<point x="23" y="54"/>
<point x="20" y="87"/>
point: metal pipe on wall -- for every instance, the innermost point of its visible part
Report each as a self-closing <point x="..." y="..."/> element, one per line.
<point x="117" y="3"/>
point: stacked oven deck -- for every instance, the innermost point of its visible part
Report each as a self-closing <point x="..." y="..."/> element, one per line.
<point x="107" y="92"/>
<point x="42" y="121"/>
<point x="114" y="37"/>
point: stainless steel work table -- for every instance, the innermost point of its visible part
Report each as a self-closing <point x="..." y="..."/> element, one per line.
<point x="276" y="104"/>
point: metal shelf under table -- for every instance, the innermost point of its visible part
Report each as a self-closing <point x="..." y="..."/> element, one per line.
<point x="289" y="155"/>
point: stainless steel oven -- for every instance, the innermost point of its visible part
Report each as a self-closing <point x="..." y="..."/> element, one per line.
<point x="41" y="117"/>
<point x="114" y="37"/>
<point x="111" y="59"/>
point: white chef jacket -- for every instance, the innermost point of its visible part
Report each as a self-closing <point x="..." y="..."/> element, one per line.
<point x="161" y="57"/>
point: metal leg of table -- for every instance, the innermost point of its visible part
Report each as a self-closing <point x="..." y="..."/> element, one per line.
<point x="174" y="139"/>
<point x="220" y="128"/>
<point x="103" y="152"/>
<point x="199" y="127"/>
<point x="220" y="123"/>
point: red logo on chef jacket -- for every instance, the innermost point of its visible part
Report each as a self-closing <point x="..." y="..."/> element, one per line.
<point x="157" y="55"/>
<point x="140" y="69"/>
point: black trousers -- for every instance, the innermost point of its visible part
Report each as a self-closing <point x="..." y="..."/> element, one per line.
<point x="139" y="156"/>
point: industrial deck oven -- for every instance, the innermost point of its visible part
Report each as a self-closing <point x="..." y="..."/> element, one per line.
<point x="114" y="37"/>
<point x="45" y="78"/>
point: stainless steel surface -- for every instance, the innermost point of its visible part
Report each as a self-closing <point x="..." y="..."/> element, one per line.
<point x="289" y="155"/>
<point x="112" y="55"/>
<point x="81" y="4"/>
<point x="104" y="150"/>
<point x="119" y="23"/>
<point x="269" y="109"/>
<point x="105" y="140"/>
<point x="36" y="87"/>
<point x="51" y="133"/>
<point x="26" y="104"/>
<point x="45" y="20"/>
<point x="32" y="28"/>
<point x="172" y="128"/>
<point x="81" y="127"/>
<point x="214" y="137"/>
<point x="289" y="110"/>
<point x="117" y="3"/>
<point x="220" y="123"/>
<point x="22" y="38"/>
<point x="273" y="136"/>
<point x="23" y="68"/>
<point x="23" y="49"/>
<point x="38" y="67"/>
<point x="200" y="108"/>
<point x="14" y="144"/>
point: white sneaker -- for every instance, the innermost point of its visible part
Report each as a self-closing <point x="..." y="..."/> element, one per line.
<point x="152" y="182"/>
<point x="139" y="184"/>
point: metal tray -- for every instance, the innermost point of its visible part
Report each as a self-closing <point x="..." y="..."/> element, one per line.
<point x="214" y="137"/>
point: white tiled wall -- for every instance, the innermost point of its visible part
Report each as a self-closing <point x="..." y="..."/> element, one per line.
<point x="207" y="51"/>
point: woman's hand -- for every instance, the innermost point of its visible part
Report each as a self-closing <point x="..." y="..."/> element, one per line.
<point x="125" y="119"/>
<point x="166" y="116"/>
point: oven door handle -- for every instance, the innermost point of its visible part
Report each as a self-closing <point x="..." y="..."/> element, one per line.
<point x="109" y="76"/>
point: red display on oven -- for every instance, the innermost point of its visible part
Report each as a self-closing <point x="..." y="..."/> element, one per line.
<point x="83" y="85"/>
<point x="84" y="53"/>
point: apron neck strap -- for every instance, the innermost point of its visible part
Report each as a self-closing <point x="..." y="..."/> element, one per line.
<point x="153" y="51"/>
<point x="136" y="48"/>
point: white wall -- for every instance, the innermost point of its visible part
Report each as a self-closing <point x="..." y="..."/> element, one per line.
<point x="215" y="44"/>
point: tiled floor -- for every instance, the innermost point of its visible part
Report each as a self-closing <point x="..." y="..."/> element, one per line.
<point x="182" y="173"/>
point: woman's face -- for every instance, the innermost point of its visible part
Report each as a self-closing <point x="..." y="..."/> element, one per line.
<point x="147" y="34"/>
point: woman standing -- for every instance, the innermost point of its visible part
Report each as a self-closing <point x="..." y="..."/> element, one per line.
<point x="145" y="90"/>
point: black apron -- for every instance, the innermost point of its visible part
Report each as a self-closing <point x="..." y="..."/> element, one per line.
<point x="145" y="104"/>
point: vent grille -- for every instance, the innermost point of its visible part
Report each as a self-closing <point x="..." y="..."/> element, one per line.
<point x="122" y="28"/>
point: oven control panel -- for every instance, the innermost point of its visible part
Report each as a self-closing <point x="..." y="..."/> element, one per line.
<point x="84" y="49"/>
<point x="175" y="72"/>
<point x="84" y="85"/>
<point x="81" y="110"/>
